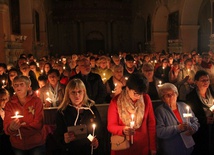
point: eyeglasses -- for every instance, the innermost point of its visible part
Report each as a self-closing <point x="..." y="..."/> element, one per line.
<point x="15" y="85"/>
<point x="148" y="70"/>
<point x="80" y="92"/>
<point x="3" y="99"/>
<point x="205" y="80"/>
<point x="169" y="95"/>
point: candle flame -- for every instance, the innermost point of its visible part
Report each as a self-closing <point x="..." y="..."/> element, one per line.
<point x="93" y="126"/>
<point x="132" y="116"/>
<point x="16" y="113"/>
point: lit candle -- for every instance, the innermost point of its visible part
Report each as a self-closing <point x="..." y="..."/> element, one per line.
<point x="48" y="98"/>
<point x="132" y="126"/>
<point x="188" y="114"/>
<point x="63" y="67"/>
<point x="187" y="109"/>
<point x="17" y="116"/>
<point x="3" y="82"/>
<point x="126" y="78"/>
<point x="160" y="84"/>
<point x="93" y="131"/>
<point x="188" y="70"/>
<point x="37" y="64"/>
<point x="41" y="70"/>
<point x="37" y="92"/>
<point x="155" y="61"/>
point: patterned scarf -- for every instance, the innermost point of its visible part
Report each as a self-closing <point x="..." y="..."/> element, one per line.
<point x="126" y="107"/>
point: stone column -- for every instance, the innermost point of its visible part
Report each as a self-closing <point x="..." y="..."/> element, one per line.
<point x="160" y="40"/>
<point x="26" y="24"/>
<point x="4" y="30"/>
<point x="189" y="37"/>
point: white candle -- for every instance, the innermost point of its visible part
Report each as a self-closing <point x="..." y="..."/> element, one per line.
<point x="93" y="127"/>
<point x="37" y="92"/>
<point x="126" y="78"/>
<point x="132" y="126"/>
<point x="48" y="98"/>
<point x="188" y="70"/>
<point x="63" y="67"/>
<point x="93" y="131"/>
<point x="187" y="109"/>
<point x="160" y="82"/>
<point x="3" y="82"/>
<point x="17" y="116"/>
<point x="41" y="70"/>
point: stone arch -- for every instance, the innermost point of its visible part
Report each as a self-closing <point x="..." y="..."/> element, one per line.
<point x="159" y="30"/>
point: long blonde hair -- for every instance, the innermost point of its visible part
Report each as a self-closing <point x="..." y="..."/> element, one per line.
<point x="74" y="84"/>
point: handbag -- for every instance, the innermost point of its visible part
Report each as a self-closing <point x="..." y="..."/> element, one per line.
<point x="119" y="143"/>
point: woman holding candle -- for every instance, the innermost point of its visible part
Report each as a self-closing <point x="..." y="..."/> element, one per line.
<point x="200" y="99"/>
<point x="53" y="92"/>
<point x="133" y="101"/>
<point x="185" y="80"/>
<point x="77" y="109"/>
<point x="173" y="129"/>
<point x="26" y="133"/>
<point x="116" y="83"/>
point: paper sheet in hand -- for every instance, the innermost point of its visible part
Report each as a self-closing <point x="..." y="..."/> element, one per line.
<point x="188" y="140"/>
<point x="80" y="131"/>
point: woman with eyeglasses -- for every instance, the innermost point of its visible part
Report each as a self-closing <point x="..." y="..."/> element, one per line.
<point x="78" y="110"/>
<point x="201" y="100"/>
<point x="133" y="105"/>
<point x="174" y="129"/>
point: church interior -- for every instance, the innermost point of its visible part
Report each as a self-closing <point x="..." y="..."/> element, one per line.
<point x="66" y="27"/>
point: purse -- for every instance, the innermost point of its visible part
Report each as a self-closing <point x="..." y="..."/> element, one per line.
<point x="119" y="143"/>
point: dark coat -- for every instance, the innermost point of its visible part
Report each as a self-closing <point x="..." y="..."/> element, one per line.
<point x="67" y="118"/>
<point x="204" y="134"/>
<point x="96" y="90"/>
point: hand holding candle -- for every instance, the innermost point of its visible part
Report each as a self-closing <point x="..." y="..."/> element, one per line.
<point x="188" y="114"/>
<point x="16" y="116"/>
<point x="93" y="132"/>
<point x="132" y="126"/>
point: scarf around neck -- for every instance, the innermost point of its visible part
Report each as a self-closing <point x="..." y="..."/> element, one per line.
<point x="126" y="107"/>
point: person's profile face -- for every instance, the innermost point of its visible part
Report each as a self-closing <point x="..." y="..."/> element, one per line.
<point x="12" y="75"/>
<point x="4" y="98"/>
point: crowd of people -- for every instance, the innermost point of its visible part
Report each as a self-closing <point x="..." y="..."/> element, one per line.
<point x="180" y="123"/>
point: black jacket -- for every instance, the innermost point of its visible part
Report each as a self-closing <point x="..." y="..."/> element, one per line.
<point x="96" y="90"/>
<point x="67" y="118"/>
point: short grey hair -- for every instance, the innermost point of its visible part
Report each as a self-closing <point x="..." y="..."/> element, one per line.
<point x="165" y="87"/>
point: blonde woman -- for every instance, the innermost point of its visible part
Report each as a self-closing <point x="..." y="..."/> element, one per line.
<point x="77" y="109"/>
